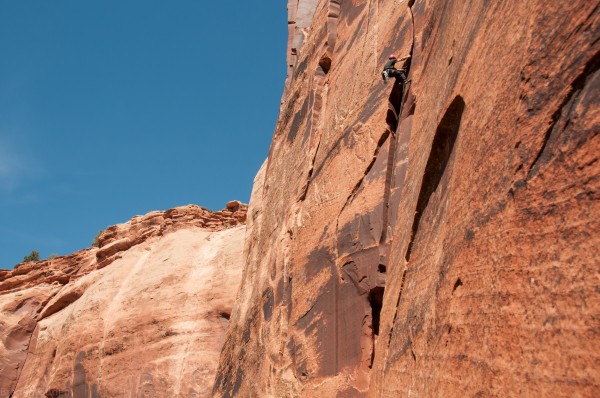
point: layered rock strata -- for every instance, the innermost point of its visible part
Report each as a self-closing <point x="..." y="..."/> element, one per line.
<point x="437" y="240"/>
<point x="143" y="314"/>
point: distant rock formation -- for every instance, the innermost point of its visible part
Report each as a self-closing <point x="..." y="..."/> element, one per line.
<point x="437" y="241"/>
<point x="144" y="314"/>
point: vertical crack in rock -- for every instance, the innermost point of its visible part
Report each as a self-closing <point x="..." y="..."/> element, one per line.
<point x="412" y="19"/>
<point x="397" y="305"/>
<point x="439" y="156"/>
<point x="392" y="119"/>
<point x="336" y="297"/>
<point x="310" y="173"/>
<point x="396" y="102"/>
<point x="564" y="111"/>
<point x="315" y="113"/>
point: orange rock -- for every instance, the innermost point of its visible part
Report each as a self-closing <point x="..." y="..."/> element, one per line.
<point x="441" y="241"/>
<point x="150" y="322"/>
<point x="234" y="205"/>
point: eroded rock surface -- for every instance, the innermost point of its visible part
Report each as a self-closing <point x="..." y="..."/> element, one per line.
<point x="441" y="240"/>
<point x="145" y="314"/>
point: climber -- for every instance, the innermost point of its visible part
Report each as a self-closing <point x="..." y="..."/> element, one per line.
<point x="390" y="71"/>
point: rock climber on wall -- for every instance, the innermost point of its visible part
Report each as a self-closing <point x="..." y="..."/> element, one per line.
<point x="390" y="71"/>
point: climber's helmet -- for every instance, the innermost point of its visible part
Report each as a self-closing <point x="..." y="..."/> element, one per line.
<point x="392" y="57"/>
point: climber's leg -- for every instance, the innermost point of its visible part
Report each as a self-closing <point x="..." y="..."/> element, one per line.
<point x="399" y="74"/>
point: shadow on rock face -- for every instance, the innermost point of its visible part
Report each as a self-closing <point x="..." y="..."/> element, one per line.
<point x="439" y="156"/>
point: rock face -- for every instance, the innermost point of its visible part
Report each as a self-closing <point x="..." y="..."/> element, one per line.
<point x="144" y="314"/>
<point x="441" y="240"/>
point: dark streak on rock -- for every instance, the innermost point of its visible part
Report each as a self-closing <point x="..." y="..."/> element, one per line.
<point x="80" y="387"/>
<point x="239" y="376"/>
<point x="310" y="173"/>
<point x="439" y="156"/>
<point x="401" y="28"/>
<point x="247" y="331"/>
<point x="563" y="113"/>
<point x="268" y="303"/>
<point x="356" y="35"/>
<point x="297" y="121"/>
<point x="351" y="11"/>
<point x="318" y="260"/>
<point x="469" y="235"/>
<point x="300" y="68"/>
<point x="380" y="143"/>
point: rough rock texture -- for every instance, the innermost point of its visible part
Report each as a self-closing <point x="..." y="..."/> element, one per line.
<point x="450" y="252"/>
<point x="145" y="314"/>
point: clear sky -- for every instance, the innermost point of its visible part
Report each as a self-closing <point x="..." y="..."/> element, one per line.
<point x="114" y="108"/>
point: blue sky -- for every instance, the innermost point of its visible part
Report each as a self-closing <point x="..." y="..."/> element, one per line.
<point x="110" y="109"/>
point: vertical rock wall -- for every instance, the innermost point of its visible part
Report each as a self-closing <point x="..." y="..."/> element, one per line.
<point x="436" y="241"/>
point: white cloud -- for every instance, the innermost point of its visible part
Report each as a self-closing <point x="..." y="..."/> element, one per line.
<point x="14" y="166"/>
<point x="10" y="169"/>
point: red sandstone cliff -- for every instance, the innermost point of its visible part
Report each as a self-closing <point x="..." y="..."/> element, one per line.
<point x="438" y="242"/>
<point x="142" y="315"/>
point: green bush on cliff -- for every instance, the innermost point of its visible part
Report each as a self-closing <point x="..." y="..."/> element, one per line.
<point x="33" y="256"/>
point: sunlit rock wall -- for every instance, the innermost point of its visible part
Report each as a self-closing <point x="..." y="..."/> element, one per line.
<point x="143" y="315"/>
<point x="451" y="251"/>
